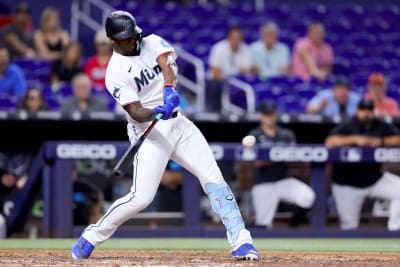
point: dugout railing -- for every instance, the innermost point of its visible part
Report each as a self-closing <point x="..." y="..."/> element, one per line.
<point x="53" y="167"/>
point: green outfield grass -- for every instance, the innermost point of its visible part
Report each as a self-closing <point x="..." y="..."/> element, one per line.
<point x="331" y="245"/>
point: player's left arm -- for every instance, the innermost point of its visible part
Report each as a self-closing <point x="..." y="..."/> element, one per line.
<point x="169" y="68"/>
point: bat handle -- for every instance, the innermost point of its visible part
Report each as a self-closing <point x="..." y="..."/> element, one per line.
<point x="159" y="116"/>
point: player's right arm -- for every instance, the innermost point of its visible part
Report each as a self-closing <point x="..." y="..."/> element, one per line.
<point x="139" y="113"/>
<point x="340" y="136"/>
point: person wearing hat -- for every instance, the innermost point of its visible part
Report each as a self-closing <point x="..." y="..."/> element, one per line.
<point x="96" y="65"/>
<point x="354" y="182"/>
<point x="339" y="100"/>
<point x="17" y="36"/>
<point x="384" y="105"/>
<point x="271" y="182"/>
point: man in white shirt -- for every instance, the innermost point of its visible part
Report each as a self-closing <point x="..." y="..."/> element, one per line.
<point x="270" y="57"/>
<point x="230" y="56"/>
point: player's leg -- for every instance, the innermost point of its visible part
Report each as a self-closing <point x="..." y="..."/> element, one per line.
<point x="265" y="200"/>
<point x="349" y="201"/>
<point x="388" y="187"/>
<point x="149" y="164"/>
<point x="193" y="153"/>
<point x="3" y="227"/>
<point x="296" y="192"/>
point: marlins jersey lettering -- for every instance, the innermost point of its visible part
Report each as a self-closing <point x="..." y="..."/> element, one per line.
<point x="132" y="79"/>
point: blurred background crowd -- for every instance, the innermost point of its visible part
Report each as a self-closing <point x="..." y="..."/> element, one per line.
<point x="291" y="53"/>
<point x="311" y="57"/>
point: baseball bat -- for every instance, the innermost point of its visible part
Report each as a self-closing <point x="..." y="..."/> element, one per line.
<point x="127" y="159"/>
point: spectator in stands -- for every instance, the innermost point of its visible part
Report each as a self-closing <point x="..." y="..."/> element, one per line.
<point x="33" y="101"/>
<point x="227" y="57"/>
<point x="354" y="182"/>
<point x="82" y="99"/>
<point x="271" y="182"/>
<point x="96" y="66"/>
<point x="384" y="105"/>
<point x="339" y="100"/>
<point x="12" y="78"/>
<point x="65" y="68"/>
<point x="312" y="56"/>
<point x="17" y="36"/>
<point x="50" y="39"/>
<point x="270" y="57"/>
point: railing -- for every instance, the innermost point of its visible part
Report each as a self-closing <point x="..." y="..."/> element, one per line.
<point x="57" y="188"/>
<point x="250" y="98"/>
<point x="197" y="86"/>
<point x="81" y="12"/>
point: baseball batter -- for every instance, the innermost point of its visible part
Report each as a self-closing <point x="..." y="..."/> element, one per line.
<point x="141" y="77"/>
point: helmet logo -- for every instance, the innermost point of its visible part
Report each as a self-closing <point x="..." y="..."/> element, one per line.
<point x="127" y="24"/>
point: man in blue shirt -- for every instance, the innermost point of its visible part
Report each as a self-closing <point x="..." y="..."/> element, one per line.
<point x="336" y="101"/>
<point x="270" y="56"/>
<point x="12" y="78"/>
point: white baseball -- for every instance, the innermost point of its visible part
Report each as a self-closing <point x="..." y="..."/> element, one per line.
<point x="248" y="141"/>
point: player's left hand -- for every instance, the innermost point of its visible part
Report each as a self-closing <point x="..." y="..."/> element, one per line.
<point x="171" y="96"/>
<point x="166" y="110"/>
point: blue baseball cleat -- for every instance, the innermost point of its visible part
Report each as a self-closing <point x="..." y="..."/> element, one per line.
<point x="246" y="252"/>
<point x="82" y="249"/>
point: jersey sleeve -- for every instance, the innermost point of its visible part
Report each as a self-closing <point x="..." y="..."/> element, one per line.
<point x="159" y="46"/>
<point x="121" y="89"/>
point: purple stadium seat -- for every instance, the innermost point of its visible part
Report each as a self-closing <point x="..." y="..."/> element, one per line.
<point x="291" y="104"/>
<point x="53" y="103"/>
<point x="7" y="102"/>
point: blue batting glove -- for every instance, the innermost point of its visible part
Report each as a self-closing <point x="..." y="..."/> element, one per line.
<point x="158" y="110"/>
<point x="171" y="97"/>
<point x="166" y="110"/>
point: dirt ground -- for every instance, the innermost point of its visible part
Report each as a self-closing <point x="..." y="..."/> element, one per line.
<point x="117" y="258"/>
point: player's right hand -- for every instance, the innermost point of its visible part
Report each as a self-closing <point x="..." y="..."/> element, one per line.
<point x="166" y="110"/>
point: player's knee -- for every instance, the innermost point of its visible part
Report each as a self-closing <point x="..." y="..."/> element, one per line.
<point x="307" y="198"/>
<point x="141" y="202"/>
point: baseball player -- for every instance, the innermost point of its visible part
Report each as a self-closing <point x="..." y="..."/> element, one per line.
<point x="354" y="182"/>
<point x="141" y="76"/>
<point x="272" y="183"/>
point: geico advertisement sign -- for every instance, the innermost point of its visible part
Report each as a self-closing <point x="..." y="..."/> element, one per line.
<point x="300" y="154"/>
<point x="387" y="154"/>
<point x="81" y="151"/>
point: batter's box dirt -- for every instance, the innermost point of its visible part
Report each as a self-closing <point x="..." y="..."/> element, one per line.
<point x="120" y="258"/>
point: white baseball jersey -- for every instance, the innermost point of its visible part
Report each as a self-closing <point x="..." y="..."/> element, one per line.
<point x="132" y="79"/>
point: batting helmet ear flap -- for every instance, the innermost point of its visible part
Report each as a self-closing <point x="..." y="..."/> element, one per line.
<point x="139" y="38"/>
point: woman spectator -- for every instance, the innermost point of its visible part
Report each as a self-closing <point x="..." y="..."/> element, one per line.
<point x="96" y="65"/>
<point x="33" y="101"/>
<point x="50" y="39"/>
<point x="63" y="69"/>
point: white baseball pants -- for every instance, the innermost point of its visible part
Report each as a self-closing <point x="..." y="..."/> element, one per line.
<point x="349" y="201"/>
<point x="177" y="139"/>
<point x="266" y="197"/>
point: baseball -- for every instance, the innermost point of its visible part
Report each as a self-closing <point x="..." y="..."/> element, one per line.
<point x="249" y="141"/>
